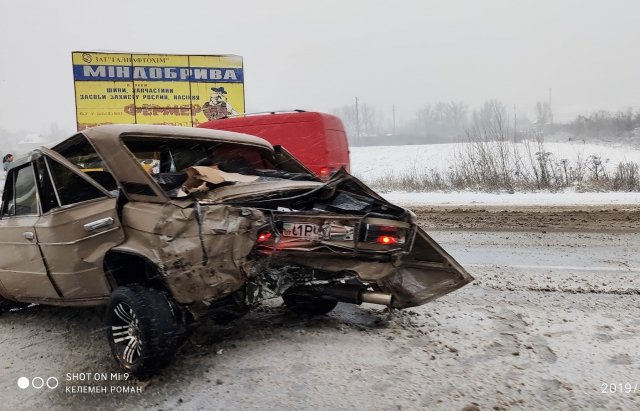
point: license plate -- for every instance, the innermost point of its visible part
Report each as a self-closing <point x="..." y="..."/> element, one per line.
<point x="301" y="230"/>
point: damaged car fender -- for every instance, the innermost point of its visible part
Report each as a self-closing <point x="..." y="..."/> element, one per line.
<point x="201" y="249"/>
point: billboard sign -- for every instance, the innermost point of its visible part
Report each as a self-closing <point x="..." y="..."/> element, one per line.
<point x="130" y="88"/>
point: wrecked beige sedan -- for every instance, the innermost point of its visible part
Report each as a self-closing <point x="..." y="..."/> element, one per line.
<point x="166" y="225"/>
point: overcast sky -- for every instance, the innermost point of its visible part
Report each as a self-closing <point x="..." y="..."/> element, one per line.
<point x="322" y="54"/>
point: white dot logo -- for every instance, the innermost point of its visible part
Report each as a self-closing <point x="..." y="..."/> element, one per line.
<point x="37" y="383"/>
<point x="50" y="382"/>
<point x="23" y="382"/>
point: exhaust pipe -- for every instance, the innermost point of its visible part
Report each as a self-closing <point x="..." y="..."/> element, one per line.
<point x="373" y="297"/>
<point x="347" y="293"/>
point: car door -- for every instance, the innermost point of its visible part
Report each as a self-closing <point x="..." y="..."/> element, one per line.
<point x="78" y="225"/>
<point x="23" y="272"/>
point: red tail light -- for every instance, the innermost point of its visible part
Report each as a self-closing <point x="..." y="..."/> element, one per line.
<point x="383" y="234"/>
<point x="264" y="236"/>
<point x="325" y="171"/>
<point x="386" y="239"/>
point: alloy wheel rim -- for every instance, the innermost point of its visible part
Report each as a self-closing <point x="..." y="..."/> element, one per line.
<point x="125" y="333"/>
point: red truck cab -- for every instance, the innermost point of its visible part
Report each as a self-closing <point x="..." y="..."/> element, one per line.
<point x="318" y="140"/>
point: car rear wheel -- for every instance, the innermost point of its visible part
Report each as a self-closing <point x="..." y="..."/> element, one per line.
<point x="142" y="330"/>
<point x="301" y="301"/>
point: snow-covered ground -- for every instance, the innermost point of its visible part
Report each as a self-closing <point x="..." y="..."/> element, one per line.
<point x="370" y="163"/>
<point x="374" y="162"/>
<point x="462" y="198"/>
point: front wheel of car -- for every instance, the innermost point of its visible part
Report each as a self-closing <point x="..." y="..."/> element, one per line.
<point x="142" y="330"/>
<point x="300" y="301"/>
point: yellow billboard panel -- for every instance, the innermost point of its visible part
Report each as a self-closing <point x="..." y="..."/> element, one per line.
<point x="134" y="88"/>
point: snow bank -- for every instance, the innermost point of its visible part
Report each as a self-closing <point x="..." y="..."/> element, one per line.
<point x="370" y="163"/>
<point x="464" y="198"/>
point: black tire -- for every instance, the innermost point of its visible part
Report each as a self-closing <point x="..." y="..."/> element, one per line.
<point x="142" y="330"/>
<point x="300" y="301"/>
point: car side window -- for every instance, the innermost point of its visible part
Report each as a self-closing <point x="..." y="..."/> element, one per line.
<point x="48" y="197"/>
<point x="20" y="193"/>
<point x="71" y="188"/>
<point x="79" y="152"/>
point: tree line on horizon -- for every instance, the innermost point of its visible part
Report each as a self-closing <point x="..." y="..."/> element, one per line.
<point x="446" y="122"/>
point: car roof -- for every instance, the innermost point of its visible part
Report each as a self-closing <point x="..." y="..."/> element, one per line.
<point x="134" y="180"/>
<point x="114" y="131"/>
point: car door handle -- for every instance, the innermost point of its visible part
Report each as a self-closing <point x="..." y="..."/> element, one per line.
<point x="94" y="225"/>
<point x="28" y="235"/>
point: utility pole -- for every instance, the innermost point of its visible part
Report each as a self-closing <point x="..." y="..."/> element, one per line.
<point x="357" y="122"/>
<point x="394" y="120"/>
<point x="515" y="124"/>
<point x="550" y="112"/>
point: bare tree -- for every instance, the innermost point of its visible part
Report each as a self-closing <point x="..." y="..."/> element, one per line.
<point x="369" y="117"/>
<point x="370" y="121"/>
<point x="442" y="120"/>
<point x="544" y="115"/>
<point x="457" y="113"/>
<point x="349" y="119"/>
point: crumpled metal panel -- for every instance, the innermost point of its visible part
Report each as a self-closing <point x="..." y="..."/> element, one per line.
<point x="413" y="285"/>
<point x="201" y="249"/>
<point x="427" y="273"/>
<point x="424" y="274"/>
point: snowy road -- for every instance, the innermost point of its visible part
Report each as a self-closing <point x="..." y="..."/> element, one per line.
<point x="571" y="254"/>
<point x="551" y="321"/>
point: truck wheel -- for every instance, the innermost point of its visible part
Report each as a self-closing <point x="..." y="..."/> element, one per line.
<point x="142" y="330"/>
<point x="302" y="302"/>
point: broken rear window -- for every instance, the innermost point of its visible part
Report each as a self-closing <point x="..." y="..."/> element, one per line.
<point x="171" y="162"/>
<point x="175" y="155"/>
